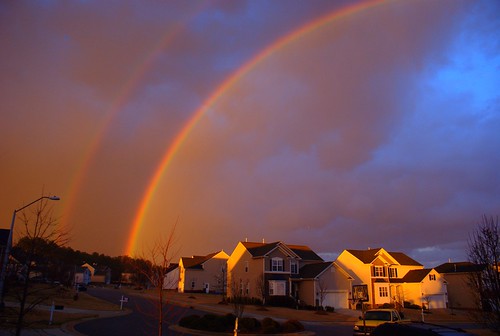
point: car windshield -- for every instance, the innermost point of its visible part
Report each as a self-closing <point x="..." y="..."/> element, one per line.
<point x="378" y="315"/>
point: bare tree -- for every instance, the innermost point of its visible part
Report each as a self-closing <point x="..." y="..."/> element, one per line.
<point x="221" y="280"/>
<point x="260" y="284"/>
<point x="321" y="293"/>
<point x="39" y="231"/>
<point x="160" y="257"/>
<point x="484" y="250"/>
<point x="238" y="297"/>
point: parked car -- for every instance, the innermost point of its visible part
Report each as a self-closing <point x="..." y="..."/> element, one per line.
<point x="416" y="329"/>
<point x="374" y="318"/>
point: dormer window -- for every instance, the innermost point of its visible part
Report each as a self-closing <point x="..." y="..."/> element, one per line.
<point x="277" y="265"/>
<point x="393" y="272"/>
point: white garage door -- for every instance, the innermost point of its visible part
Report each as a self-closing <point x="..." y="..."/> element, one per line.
<point x="337" y="299"/>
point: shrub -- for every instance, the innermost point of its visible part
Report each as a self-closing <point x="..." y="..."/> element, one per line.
<point x="292" y="326"/>
<point x="282" y="301"/>
<point x="208" y="322"/>
<point x="248" y="324"/>
<point x="189" y="321"/>
<point x="329" y="309"/>
<point x="410" y="305"/>
<point x="270" y="326"/>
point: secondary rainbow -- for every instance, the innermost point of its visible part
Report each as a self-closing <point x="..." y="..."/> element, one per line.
<point x="219" y="92"/>
<point x="116" y="106"/>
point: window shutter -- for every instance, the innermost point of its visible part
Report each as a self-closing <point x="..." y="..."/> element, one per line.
<point x="373" y="271"/>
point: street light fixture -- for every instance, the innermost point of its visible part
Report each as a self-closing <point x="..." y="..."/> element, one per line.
<point x="9" y="245"/>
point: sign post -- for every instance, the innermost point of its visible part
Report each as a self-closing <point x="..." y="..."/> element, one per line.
<point x="122" y="301"/>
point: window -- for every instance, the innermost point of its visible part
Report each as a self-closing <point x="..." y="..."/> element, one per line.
<point x="246" y="266"/>
<point x="432" y="277"/>
<point x="383" y="292"/>
<point x="293" y="267"/>
<point x="378" y="271"/>
<point x="277" y="287"/>
<point x="192" y="284"/>
<point x="393" y="272"/>
<point x="277" y="265"/>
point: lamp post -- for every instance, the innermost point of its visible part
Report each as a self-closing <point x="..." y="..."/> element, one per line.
<point x="9" y="245"/>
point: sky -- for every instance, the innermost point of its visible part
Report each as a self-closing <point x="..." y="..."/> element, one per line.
<point x="332" y="124"/>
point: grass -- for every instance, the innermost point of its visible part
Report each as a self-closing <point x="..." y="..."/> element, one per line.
<point x="60" y="296"/>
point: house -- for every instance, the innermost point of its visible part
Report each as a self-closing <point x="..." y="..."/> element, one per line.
<point x="266" y="270"/>
<point x="126" y="278"/>
<point x="171" y="279"/>
<point x="323" y="284"/>
<point x="203" y="273"/>
<point x="457" y="276"/>
<point x="82" y="275"/>
<point x="423" y="287"/>
<point x="376" y="269"/>
<point x="101" y="275"/>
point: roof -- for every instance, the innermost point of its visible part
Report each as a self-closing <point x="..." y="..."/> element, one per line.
<point x="196" y="262"/>
<point x="262" y="249"/>
<point x="259" y="249"/>
<point x="414" y="275"/>
<point x="459" y="267"/>
<point x="367" y="256"/>
<point x="311" y="271"/>
<point x="304" y="252"/>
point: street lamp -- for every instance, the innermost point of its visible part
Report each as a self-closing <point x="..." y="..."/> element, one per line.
<point x="9" y="243"/>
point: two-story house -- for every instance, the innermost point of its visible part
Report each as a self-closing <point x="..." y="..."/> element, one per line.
<point x="266" y="270"/>
<point x="376" y="269"/>
<point x="458" y="276"/>
<point x="203" y="273"/>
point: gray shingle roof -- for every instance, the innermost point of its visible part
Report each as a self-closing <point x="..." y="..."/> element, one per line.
<point x="196" y="262"/>
<point x="261" y="249"/>
<point x="311" y="271"/>
<point x="414" y="276"/>
<point x="367" y="256"/>
<point x="459" y="267"/>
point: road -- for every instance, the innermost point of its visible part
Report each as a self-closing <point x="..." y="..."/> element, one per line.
<point x="141" y="321"/>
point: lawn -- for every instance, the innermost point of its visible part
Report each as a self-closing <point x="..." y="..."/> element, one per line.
<point x="60" y="296"/>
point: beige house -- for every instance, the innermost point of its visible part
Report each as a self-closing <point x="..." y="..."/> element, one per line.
<point x="203" y="273"/>
<point x="323" y="284"/>
<point x="376" y="269"/>
<point x="423" y="287"/>
<point x="457" y="276"/>
<point x="269" y="271"/>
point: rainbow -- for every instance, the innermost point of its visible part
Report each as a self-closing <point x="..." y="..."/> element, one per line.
<point x="116" y="106"/>
<point x="174" y="147"/>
